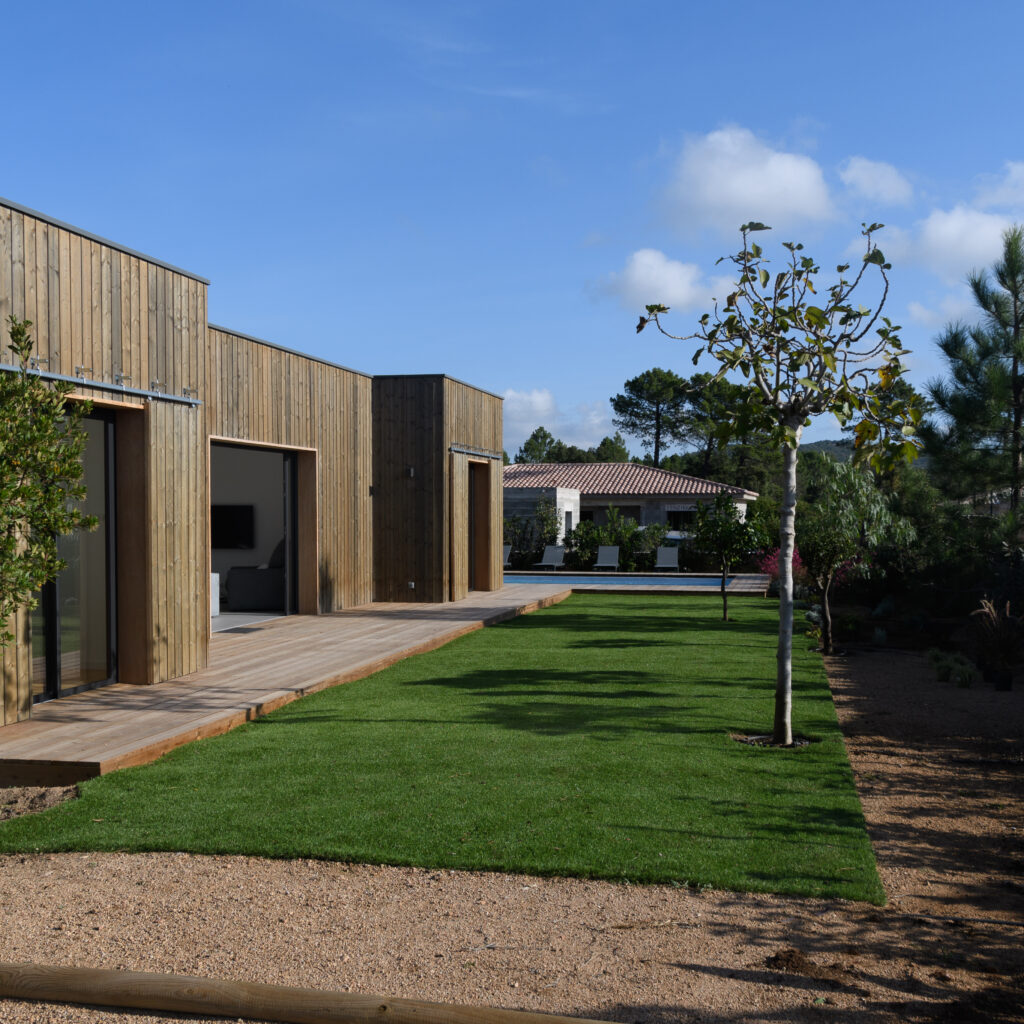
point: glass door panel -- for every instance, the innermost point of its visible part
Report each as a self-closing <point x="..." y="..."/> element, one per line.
<point x="72" y="626"/>
<point x="83" y="590"/>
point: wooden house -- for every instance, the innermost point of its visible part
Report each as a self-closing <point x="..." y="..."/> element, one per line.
<point x="320" y="486"/>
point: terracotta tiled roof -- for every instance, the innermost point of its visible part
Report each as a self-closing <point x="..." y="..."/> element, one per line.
<point x="623" y="478"/>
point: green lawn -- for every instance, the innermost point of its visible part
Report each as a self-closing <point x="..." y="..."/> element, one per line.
<point x="588" y="739"/>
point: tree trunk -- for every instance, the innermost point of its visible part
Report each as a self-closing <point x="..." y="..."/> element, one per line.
<point x="657" y="436"/>
<point x="826" y="619"/>
<point x="783" y="730"/>
<point x="1018" y="414"/>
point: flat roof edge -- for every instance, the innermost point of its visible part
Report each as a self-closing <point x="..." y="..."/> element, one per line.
<point x="284" y="348"/>
<point x="47" y="219"/>
<point x="442" y="376"/>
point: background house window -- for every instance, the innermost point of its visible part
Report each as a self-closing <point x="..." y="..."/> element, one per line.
<point x="681" y="520"/>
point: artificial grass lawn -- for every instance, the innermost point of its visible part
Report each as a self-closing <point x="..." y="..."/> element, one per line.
<point x="591" y="738"/>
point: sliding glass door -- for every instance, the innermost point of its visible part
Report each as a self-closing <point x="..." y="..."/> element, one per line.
<point x="73" y="635"/>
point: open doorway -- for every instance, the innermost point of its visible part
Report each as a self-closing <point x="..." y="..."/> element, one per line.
<point x="253" y="534"/>
<point x="480" y="526"/>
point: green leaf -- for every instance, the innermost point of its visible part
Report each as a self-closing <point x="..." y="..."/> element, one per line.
<point x="755" y="225"/>
<point x="657" y="307"/>
<point x="876" y="257"/>
<point x="816" y="317"/>
<point x="763" y="275"/>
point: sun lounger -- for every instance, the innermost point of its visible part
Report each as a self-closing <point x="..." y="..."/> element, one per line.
<point x="506" y="555"/>
<point x="607" y="557"/>
<point x="668" y="558"/>
<point x="554" y="556"/>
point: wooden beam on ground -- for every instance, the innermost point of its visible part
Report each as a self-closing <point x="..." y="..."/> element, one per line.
<point x="206" y="996"/>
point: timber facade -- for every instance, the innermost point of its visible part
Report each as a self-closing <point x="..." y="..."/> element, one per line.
<point x="390" y="486"/>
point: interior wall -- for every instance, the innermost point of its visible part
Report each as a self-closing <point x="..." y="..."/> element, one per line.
<point x="248" y="476"/>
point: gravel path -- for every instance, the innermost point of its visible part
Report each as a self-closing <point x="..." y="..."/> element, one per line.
<point x="939" y="771"/>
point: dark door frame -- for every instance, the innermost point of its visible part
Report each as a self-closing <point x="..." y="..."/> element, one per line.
<point x="50" y="593"/>
<point x="302" y="521"/>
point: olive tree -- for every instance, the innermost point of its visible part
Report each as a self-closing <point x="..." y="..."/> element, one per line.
<point x="41" y="445"/>
<point x="847" y="520"/>
<point x="727" y="536"/>
<point x="802" y="355"/>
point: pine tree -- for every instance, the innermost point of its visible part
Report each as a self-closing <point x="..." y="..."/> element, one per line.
<point x="652" y="409"/>
<point x="980" y="444"/>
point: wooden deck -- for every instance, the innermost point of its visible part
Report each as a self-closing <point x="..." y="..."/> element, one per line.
<point x="252" y="671"/>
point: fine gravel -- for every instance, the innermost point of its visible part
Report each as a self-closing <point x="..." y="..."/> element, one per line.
<point x="939" y="773"/>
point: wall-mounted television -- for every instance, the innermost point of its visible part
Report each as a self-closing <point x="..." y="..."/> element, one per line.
<point x="233" y="526"/>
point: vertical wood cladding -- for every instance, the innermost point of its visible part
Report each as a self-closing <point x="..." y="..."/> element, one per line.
<point x="472" y="421"/>
<point x="114" y="316"/>
<point x="409" y="478"/>
<point x="420" y="521"/>
<point x="257" y="393"/>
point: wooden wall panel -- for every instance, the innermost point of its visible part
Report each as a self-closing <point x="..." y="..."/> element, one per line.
<point x="473" y="421"/>
<point x="410" y="512"/>
<point x="255" y="393"/>
<point x="496" y="569"/>
<point x="458" y="542"/>
<point x="420" y="521"/>
<point x="96" y="306"/>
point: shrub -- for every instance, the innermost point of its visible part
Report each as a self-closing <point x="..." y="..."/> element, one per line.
<point x="637" y="544"/>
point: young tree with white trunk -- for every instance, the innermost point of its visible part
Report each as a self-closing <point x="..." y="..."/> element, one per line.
<point x="800" y="360"/>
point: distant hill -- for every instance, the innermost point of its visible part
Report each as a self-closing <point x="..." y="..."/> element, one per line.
<point x="841" y="451"/>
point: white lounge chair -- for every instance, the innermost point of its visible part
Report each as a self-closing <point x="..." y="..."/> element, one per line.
<point x="668" y="558"/>
<point x="607" y="557"/>
<point x="506" y="555"/>
<point x="554" y="556"/>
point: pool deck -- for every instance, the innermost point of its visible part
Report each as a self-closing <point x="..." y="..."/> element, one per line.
<point x="253" y="670"/>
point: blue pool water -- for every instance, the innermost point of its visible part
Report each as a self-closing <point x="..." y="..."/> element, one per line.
<point x="569" y="579"/>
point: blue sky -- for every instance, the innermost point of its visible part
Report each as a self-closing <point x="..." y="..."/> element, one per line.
<point x="493" y="190"/>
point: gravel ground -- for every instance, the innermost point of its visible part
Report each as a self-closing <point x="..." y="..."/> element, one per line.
<point x="939" y="772"/>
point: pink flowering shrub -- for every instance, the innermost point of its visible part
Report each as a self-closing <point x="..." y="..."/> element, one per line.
<point x="769" y="564"/>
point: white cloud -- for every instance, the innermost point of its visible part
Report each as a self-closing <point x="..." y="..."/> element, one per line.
<point x="524" y="411"/>
<point x="729" y="176"/>
<point x="955" y="242"/>
<point x="584" y="425"/>
<point x="949" y="243"/>
<point x="957" y="305"/>
<point x="875" y="180"/>
<point x="1006" y="192"/>
<point x="650" y="276"/>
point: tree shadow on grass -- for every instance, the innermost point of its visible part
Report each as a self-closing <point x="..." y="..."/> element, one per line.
<point x="595" y="622"/>
<point x="603" y="705"/>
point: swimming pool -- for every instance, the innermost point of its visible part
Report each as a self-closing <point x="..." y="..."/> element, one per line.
<point x="606" y="580"/>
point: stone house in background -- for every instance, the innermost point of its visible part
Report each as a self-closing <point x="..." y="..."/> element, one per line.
<point x="586" y="490"/>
